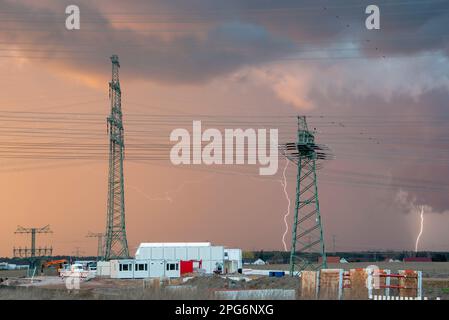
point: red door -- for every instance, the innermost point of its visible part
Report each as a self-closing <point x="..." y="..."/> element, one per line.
<point x="186" y="267"/>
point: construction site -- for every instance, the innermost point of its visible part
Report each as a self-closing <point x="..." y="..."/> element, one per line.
<point x="333" y="195"/>
<point x="208" y="271"/>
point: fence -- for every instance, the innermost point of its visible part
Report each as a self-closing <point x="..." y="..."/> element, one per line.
<point x="380" y="297"/>
<point x="361" y="284"/>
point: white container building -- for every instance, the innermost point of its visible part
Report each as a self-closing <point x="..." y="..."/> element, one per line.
<point x="172" y="259"/>
<point x="122" y="269"/>
<point x="211" y="257"/>
<point x="103" y="269"/>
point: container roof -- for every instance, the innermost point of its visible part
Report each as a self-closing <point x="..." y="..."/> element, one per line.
<point x="174" y="244"/>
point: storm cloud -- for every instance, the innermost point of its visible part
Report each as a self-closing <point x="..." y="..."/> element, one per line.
<point x="378" y="98"/>
<point x="194" y="41"/>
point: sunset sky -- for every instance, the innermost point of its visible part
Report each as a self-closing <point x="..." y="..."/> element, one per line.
<point x="377" y="98"/>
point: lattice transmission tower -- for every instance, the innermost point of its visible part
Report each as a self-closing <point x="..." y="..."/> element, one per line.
<point x="307" y="248"/>
<point x="116" y="245"/>
<point x="100" y="245"/>
<point x="32" y="251"/>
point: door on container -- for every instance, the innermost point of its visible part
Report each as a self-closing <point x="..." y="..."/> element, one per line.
<point x="227" y="266"/>
<point x="114" y="268"/>
<point x="156" y="269"/>
<point x="186" y="266"/>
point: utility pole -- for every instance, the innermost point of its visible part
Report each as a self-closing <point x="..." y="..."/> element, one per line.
<point x="99" y="237"/>
<point x="307" y="230"/>
<point x="116" y="244"/>
<point x="77" y="252"/>
<point x="32" y="252"/>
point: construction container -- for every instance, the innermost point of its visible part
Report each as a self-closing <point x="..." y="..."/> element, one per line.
<point x="103" y="269"/>
<point x="212" y="257"/>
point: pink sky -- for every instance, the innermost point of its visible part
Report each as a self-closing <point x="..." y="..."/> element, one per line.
<point x="212" y="58"/>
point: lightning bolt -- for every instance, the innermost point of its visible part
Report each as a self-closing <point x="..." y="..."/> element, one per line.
<point x="284" y="185"/>
<point x="420" y="231"/>
<point x="167" y="196"/>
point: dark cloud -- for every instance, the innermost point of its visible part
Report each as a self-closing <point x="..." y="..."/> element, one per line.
<point x="398" y="142"/>
<point x="195" y="56"/>
<point x="195" y="40"/>
<point x="398" y="145"/>
<point x="428" y="142"/>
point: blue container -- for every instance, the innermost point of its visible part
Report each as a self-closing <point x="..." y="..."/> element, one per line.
<point x="277" y="274"/>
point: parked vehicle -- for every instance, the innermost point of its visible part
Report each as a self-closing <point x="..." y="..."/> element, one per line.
<point x="76" y="270"/>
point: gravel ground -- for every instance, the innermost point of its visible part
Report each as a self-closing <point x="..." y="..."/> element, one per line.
<point x="435" y="284"/>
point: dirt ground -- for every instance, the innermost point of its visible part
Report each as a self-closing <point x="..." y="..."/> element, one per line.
<point x="12" y="273"/>
<point x="217" y="282"/>
<point x="23" y="273"/>
<point x="435" y="284"/>
<point x="53" y="288"/>
<point x="436" y="287"/>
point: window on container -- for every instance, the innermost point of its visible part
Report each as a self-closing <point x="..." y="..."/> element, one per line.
<point x="168" y="267"/>
<point x="120" y="267"/>
<point x="177" y="266"/>
<point x="124" y="267"/>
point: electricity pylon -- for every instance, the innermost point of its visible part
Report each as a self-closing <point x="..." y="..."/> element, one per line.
<point x="33" y="251"/>
<point x="99" y="236"/>
<point x="77" y="252"/>
<point x="307" y="231"/>
<point x="116" y="245"/>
